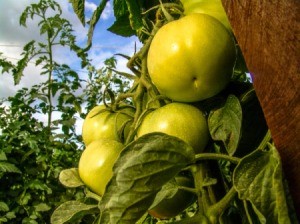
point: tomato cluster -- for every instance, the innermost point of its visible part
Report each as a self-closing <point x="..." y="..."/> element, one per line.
<point x="189" y="59"/>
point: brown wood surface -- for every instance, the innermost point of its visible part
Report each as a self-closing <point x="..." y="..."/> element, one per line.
<point x="268" y="34"/>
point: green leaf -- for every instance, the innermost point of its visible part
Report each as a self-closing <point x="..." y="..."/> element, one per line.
<point x="5" y="65"/>
<point x="225" y="124"/>
<point x="167" y="191"/>
<point x="39" y="185"/>
<point x="3" y="207"/>
<point x="120" y="8"/>
<point x="122" y="27"/>
<point x="143" y="167"/>
<point x="71" y="211"/>
<point x="70" y="178"/>
<point x="9" y="167"/>
<point x="135" y="15"/>
<point x="42" y="207"/>
<point x="95" y="17"/>
<point x="22" y="63"/>
<point x="2" y="156"/>
<point x="258" y="179"/>
<point x="78" y="6"/>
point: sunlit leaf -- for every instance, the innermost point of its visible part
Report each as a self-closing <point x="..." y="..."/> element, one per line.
<point x="9" y="167"/>
<point x="71" y="211"/>
<point x="70" y="178"/>
<point x="3" y="207"/>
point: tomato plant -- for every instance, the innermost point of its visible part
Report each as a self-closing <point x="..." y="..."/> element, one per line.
<point x="180" y="120"/>
<point x="210" y="7"/>
<point x="200" y="54"/>
<point x="103" y="123"/>
<point x="175" y="204"/>
<point x="190" y="58"/>
<point x="96" y="162"/>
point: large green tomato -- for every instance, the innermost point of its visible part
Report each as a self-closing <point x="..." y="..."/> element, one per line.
<point x="96" y="163"/>
<point x="192" y="58"/>
<point x="211" y="7"/>
<point x="180" y="120"/>
<point x="171" y="207"/>
<point x="101" y="123"/>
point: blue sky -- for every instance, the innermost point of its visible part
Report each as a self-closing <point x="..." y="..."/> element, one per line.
<point x="13" y="37"/>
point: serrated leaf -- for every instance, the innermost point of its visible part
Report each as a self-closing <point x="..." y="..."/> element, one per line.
<point x="71" y="211"/>
<point x="258" y="179"/>
<point x="225" y="124"/>
<point x="70" y="178"/>
<point x="9" y="167"/>
<point x="143" y="167"/>
<point x="22" y="63"/>
<point x="78" y="6"/>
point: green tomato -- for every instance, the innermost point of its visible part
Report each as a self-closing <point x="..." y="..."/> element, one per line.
<point x="181" y="120"/>
<point x="213" y="8"/>
<point x="101" y="123"/>
<point x="96" y="163"/>
<point x="171" y="207"/>
<point x="192" y="58"/>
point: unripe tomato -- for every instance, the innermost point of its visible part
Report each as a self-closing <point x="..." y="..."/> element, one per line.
<point x="171" y="207"/>
<point x="100" y="124"/>
<point x="180" y="120"/>
<point x="213" y="8"/>
<point x="96" y="163"/>
<point x="192" y="58"/>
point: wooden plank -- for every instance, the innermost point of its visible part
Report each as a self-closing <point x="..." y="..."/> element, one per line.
<point x="268" y="34"/>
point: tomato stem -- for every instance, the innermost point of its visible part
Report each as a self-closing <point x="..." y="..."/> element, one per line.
<point x="188" y="189"/>
<point x="199" y="173"/>
<point x="90" y="194"/>
<point x="265" y="141"/>
<point x="217" y="156"/>
<point x="217" y="209"/>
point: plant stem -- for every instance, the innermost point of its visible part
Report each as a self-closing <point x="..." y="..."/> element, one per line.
<point x="188" y="189"/>
<point x="217" y="209"/>
<point x="199" y="173"/>
<point x="49" y="94"/>
<point x="217" y="156"/>
<point x="265" y="140"/>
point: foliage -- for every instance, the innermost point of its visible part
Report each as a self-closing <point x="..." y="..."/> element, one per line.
<point x="229" y="177"/>
<point x="236" y="180"/>
<point x="31" y="165"/>
<point x="33" y="153"/>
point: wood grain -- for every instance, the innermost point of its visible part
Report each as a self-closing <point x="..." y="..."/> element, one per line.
<point x="268" y="34"/>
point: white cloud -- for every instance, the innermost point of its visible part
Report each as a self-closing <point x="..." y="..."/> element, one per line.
<point x="13" y="37"/>
<point x="108" y="12"/>
<point x="90" y="6"/>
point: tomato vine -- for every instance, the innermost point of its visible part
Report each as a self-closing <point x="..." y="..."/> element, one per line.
<point x="217" y="172"/>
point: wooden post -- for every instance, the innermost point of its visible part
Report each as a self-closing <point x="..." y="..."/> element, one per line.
<point x="268" y="34"/>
